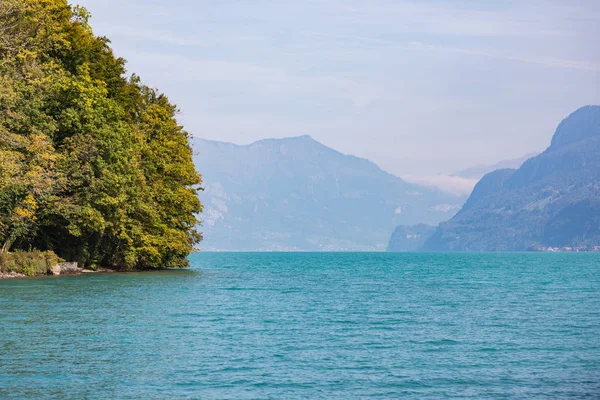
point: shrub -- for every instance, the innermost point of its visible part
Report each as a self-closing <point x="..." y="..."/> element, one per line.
<point x="30" y="263"/>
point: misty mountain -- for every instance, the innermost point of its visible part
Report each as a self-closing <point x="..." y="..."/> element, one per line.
<point x="297" y="194"/>
<point x="553" y="199"/>
<point x="478" y="171"/>
<point x="410" y="238"/>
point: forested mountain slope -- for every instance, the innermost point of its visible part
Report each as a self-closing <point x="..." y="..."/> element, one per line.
<point x="552" y="200"/>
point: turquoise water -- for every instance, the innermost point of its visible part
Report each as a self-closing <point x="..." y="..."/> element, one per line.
<point x="431" y="326"/>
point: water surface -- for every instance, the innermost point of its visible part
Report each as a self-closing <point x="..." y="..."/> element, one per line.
<point x="333" y="325"/>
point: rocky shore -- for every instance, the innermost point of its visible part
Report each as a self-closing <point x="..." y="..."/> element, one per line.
<point x="11" y="275"/>
<point x="60" y="269"/>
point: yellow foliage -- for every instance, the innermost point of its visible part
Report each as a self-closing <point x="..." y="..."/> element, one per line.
<point x="92" y="162"/>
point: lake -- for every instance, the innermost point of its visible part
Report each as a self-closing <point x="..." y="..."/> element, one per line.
<point x="310" y="325"/>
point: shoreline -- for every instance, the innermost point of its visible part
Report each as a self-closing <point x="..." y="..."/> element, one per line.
<point x="35" y="264"/>
<point x="19" y="275"/>
<point x="79" y="272"/>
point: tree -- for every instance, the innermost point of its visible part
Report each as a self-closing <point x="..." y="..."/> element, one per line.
<point x="93" y="165"/>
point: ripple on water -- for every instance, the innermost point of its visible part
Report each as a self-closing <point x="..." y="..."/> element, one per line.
<point x="310" y="326"/>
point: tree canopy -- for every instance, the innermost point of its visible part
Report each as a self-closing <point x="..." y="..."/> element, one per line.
<point x="93" y="164"/>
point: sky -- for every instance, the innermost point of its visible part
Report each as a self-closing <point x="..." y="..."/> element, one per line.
<point x="422" y="88"/>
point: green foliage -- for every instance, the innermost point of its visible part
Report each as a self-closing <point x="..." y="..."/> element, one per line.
<point x="30" y="263"/>
<point x="92" y="165"/>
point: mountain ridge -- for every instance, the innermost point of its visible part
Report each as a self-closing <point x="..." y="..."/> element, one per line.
<point x="478" y="171"/>
<point x="302" y="138"/>
<point x="298" y="194"/>
<point x="523" y="209"/>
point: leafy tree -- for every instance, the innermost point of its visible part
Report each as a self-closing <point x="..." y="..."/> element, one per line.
<point x="92" y="165"/>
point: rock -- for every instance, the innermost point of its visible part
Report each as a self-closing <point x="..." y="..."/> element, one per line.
<point x="11" y="275"/>
<point x="67" y="268"/>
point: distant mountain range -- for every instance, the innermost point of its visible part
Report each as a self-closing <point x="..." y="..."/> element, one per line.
<point x="553" y="199"/>
<point x="297" y="194"/>
<point x="478" y="171"/>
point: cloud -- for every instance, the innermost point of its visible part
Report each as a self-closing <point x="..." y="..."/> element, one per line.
<point x="427" y="86"/>
<point x="555" y="63"/>
<point x="157" y="35"/>
<point x="448" y="183"/>
<point x="266" y="80"/>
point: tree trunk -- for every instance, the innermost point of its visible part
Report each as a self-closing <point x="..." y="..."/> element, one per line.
<point x="6" y="246"/>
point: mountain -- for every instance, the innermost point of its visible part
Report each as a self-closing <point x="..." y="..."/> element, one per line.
<point x="463" y="182"/>
<point x="410" y="238"/>
<point x="553" y="199"/>
<point x="297" y="194"/>
<point x="478" y="171"/>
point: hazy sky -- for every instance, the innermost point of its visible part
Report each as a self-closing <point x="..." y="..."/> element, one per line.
<point x="419" y="87"/>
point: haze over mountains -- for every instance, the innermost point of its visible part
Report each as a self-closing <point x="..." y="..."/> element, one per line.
<point x="478" y="171"/>
<point x="462" y="182"/>
<point x="553" y="199"/>
<point x="297" y="194"/>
